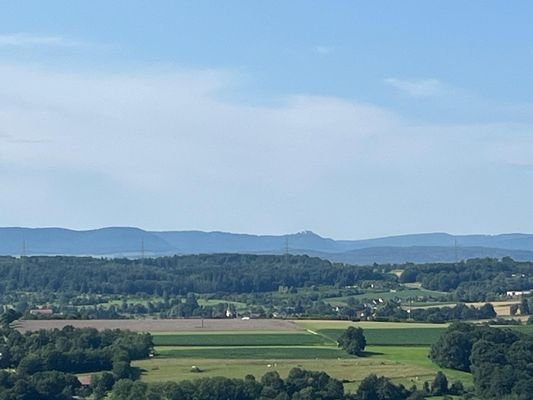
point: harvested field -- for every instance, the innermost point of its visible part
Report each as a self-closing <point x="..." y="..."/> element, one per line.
<point x="502" y="308"/>
<point x="164" y="325"/>
<point x="317" y="325"/>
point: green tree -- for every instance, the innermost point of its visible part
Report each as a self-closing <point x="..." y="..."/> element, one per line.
<point x="30" y="364"/>
<point x="439" y="386"/>
<point x="457" y="388"/>
<point x="453" y="349"/>
<point x="524" y="307"/>
<point x="9" y="316"/>
<point x="380" y="388"/>
<point x="101" y="384"/>
<point x="352" y="341"/>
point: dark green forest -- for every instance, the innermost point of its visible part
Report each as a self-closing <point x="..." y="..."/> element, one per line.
<point x="501" y="360"/>
<point x="41" y="364"/>
<point x="472" y="280"/>
<point x="178" y="275"/>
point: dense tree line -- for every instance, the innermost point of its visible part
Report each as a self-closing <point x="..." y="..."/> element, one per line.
<point x="299" y="385"/>
<point x="392" y="311"/>
<point x="177" y="275"/>
<point x="473" y="280"/>
<point x="501" y="360"/>
<point x="49" y="385"/>
<point x="41" y="364"/>
<point x="72" y="350"/>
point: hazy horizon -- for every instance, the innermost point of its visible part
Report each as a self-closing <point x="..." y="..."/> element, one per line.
<point x="355" y="121"/>
<point x="303" y="231"/>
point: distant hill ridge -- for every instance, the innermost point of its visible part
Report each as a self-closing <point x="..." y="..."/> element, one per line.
<point x="129" y="242"/>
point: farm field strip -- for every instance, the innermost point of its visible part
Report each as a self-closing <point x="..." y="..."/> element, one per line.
<point x="387" y="295"/>
<point x="239" y="339"/>
<point x="214" y="302"/>
<point x="317" y="325"/>
<point x="349" y="369"/>
<point x="165" y="325"/>
<point x="417" y="356"/>
<point x="394" y="336"/>
<point x="405" y="365"/>
<point x="519" y="328"/>
<point x="252" y="352"/>
<point x="384" y="336"/>
<point x="229" y="332"/>
<point x="396" y="350"/>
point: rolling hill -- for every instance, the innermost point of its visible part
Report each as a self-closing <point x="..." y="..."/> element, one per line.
<point x="130" y="242"/>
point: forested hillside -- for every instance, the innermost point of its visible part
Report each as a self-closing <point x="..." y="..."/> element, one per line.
<point x="473" y="280"/>
<point x="212" y="285"/>
<point x="229" y="273"/>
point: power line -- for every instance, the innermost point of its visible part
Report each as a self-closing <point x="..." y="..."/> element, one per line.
<point x="286" y="251"/>
<point x="455" y="250"/>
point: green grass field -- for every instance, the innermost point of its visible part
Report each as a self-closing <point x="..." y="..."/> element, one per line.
<point x="393" y="336"/>
<point x="416" y="356"/>
<point x="408" y="293"/>
<point x="396" y="350"/>
<point x="405" y="365"/>
<point x="528" y="329"/>
<point x="238" y="339"/>
<point x="214" y="302"/>
<point x="352" y="370"/>
<point x="252" y="352"/>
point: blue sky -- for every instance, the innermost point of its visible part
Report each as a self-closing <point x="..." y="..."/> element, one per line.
<point x="352" y="119"/>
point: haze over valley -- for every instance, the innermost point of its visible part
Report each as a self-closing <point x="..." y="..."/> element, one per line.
<point x="135" y="242"/>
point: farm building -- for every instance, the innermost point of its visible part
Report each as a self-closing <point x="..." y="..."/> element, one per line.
<point x="42" y="311"/>
<point x="516" y="293"/>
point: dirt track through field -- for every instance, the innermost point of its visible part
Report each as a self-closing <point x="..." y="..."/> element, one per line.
<point x="164" y="325"/>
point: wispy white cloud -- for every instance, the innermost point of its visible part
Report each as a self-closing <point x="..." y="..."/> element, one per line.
<point x="28" y="40"/>
<point x="417" y="87"/>
<point x="163" y="150"/>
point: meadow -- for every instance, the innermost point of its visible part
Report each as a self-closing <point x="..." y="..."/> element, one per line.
<point x="396" y="350"/>
<point x="349" y="369"/>
<point x="235" y="348"/>
<point x="406" y="294"/>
